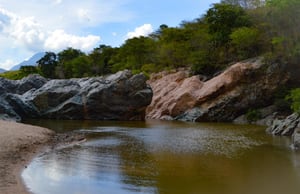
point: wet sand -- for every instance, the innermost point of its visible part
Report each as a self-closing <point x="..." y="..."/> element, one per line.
<point x="19" y="143"/>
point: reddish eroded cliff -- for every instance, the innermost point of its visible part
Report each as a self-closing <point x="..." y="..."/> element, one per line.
<point x="222" y="98"/>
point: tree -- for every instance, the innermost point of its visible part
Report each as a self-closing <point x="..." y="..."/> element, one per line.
<point x="101" y="59"/>
<point x="174" y="47"/>
<point x="156" y="35"/>
<point x="69" y="54"/>
<point x="284" y="20"/>
<point x="295" y="98"/>
<point x="247" y="4"/>
<point x="202" y="54"/>
<point x="246" y="42"/>
<point x="27" y="70"/>
<point x="65" y="65"/>
<point x="47" y="64"/>
<point x="80" y="67"/>
<point x="134" y="53"/>
<point x="222" y="19"/>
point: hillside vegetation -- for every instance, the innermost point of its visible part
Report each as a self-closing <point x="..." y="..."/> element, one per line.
<point x="230" y="31"/>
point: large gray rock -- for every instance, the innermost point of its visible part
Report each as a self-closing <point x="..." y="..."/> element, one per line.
<point x="31" y="82"/>
<point x="6" y="111"/>
<point x="52" y="94"/>
<point x="21" y="86"/>
<point x="290" y="126"/>
<point x="284" y="127"/>
<point x="12" y="107"/>
<point x="121" y="96"/>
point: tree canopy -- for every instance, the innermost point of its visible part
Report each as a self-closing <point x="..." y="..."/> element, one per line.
<point x="229" y="31"/>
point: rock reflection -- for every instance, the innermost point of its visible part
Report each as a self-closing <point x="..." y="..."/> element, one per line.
<point x="168" y="158"/>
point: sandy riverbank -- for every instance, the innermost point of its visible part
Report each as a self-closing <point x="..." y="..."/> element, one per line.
<point x="18" y="145"/>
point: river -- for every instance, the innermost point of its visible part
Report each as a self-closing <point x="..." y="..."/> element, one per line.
<point x="164" y="157"/>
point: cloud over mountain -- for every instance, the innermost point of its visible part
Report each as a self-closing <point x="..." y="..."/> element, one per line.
<point x="53" y="25"/>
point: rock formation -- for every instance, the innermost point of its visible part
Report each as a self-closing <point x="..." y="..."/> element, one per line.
<point x="284" y="127"/>
<point x="244" y="85"/>
<point x="121" y="96"/>
<point x="290" y="126"/>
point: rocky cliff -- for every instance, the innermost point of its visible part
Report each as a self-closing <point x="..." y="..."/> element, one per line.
<point x="244" y="85"/>
<point x="121" y="96"/>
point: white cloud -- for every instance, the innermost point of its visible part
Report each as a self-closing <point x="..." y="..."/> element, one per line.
<point x="143" y="30"/>
<point x="28" y="33"/>
<point x="69" y="14"/>
<point x="59" y="40"/>
<point x="7" y="64"/>
<point x="31" y="26"/>
<point x="57" y="1"/>
<point x="25" y="32"/>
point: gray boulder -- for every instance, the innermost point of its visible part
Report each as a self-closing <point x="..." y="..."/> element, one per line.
<point x="121" y="96"/>
<point x="7" y="85"/>
<point x="21" y="86"/>
<point x="7" y="112"/>
<point x="284" y="127"/>
<point x="52" y="94"/>
<point x="290" y="126"/>
<point x="31" y="82"/>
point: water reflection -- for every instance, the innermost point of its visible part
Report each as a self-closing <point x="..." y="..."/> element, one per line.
<point x="167" y="158"/>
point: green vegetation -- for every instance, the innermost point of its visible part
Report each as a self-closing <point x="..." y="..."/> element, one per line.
<point x="229" y="31"/>
<point x="294" y="96"/>
<point x="14" y="75"/>
<point x="48" y="64"/>
<point x="253" y="115"/>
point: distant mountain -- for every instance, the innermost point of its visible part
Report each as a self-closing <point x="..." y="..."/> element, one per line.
<point x="2" y="70"/>
<point x="31" y="61"/>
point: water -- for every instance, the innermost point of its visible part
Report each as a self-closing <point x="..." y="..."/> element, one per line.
<point x="156" y="157"/>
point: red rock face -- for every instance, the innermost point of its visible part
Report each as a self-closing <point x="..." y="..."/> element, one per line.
<point x="219" y="99"/>
<point x="173" y="94"/>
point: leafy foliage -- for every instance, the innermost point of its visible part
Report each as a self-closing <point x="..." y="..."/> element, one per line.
<point x="27" y="70"/>
<point x="245" y="42"/>
<point x="295" y="98"/>
<point x="253" y="115"/>
<point x="134" y="54"/>
<point x="47" y="64"/>
<point x="101" y="59"/>
<point x="247" y="4"/>
<point x="13" y="75"/>
<point x="229" y="31"/>
<point x="223" y="18"/>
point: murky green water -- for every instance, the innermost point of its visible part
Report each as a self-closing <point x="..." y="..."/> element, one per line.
<point x="166" y="158"/>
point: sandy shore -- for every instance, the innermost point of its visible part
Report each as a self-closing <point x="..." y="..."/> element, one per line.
<point x="18" y="145"/>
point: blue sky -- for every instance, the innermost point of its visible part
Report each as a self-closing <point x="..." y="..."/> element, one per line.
<point x="31" y="26"/>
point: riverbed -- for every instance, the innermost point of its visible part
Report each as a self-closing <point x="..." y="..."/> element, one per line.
<point x="164" y="157"/>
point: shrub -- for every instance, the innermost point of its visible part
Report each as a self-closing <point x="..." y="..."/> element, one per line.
<point x="13" y="75"/>
<point x="253" y="115"/>
<point x="294" y="96"/>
